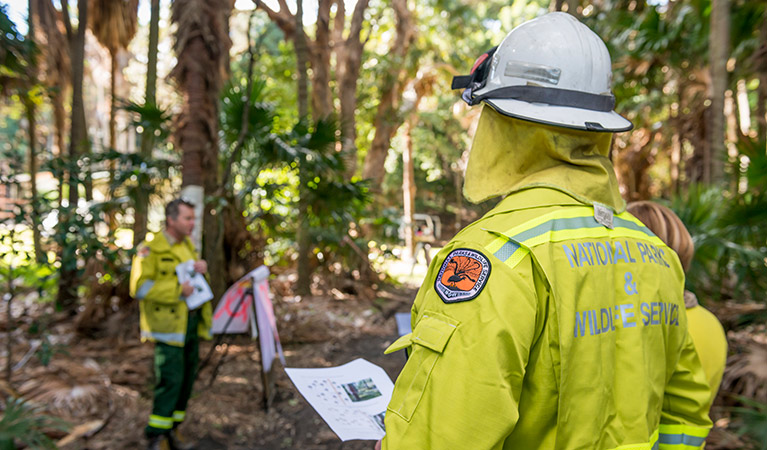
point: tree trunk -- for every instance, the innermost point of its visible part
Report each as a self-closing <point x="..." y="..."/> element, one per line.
<point x="761" y="106"/>
<point x="59" y="119"/>
<point x="676" y="158"/>
<point x="572" y="7"/>
<point x="111" y="218"/>
<point x="200" y="162"/>
<point x="301" y="60"/>
<point x="9" y="330"/>
<point x="32" y="168"/>
<point x="556" y="5"/>
<point x="719" y="50"/>
<point x="202" y="47"/>
<point x="322" y="103"/>
<point x="348" y="62"/>
<point x="32" y="131"/>
<point x="147" y="137"/>
<point x="303" y="238"/>
<point x="78" y="145"/>
<point x="408" y="189"/>
<point x="387" y="119"/>
<point x="761" y="93"/>
<point x="303" y="233"/>
<point x="693" y="123"/>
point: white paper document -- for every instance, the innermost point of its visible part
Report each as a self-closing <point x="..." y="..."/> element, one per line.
<point x="202" y="292"/>
<point x="352" y="398"/>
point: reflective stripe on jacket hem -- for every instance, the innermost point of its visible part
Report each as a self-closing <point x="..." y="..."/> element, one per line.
<point x="168" y="338"/>
<point x="163" y="423"/>
<point x="681" y="437"/>
<point x="178" y="416"/>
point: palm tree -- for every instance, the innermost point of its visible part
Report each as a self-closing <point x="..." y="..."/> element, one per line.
<point x="147" y="138"/>
<point x="31" y="110"/>
<point x="387" y="119"/>
<point x="202" y="47"/>
<point x="114" y="23"/>
<point x="719" y="51"/>
<point x="55" y="67"/>
<point x="78" y="145"/>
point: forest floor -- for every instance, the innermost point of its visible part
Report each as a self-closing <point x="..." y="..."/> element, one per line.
<point x="102" y="384"/>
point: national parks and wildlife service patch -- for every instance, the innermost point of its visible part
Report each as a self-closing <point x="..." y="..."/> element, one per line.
<point x="462" y="276"/>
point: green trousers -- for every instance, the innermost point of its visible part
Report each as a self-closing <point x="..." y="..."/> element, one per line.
<point x="175" y="369"/>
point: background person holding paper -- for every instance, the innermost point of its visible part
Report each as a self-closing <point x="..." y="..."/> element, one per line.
<point x="556" y="321"/>
<point x="166" y="321"/>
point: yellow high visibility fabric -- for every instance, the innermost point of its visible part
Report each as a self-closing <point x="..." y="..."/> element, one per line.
<point x="681" y="437"/>
<point x="163" y="423"/>
<point x="508" y="155"/>
<point x="710" y="343"/>
<point x="155" y="284"/>
<point x="577" y="341"/>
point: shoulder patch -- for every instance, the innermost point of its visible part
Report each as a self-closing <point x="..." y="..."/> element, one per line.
<point x="462" y="276"/>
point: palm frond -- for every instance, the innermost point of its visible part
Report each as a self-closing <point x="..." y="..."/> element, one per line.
<point x="113" y="22"/>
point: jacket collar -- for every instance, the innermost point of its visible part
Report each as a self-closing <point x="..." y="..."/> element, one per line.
<point x="535" y="197"/>
<point x="162" y="242"/>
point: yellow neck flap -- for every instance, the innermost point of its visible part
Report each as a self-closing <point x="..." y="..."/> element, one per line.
<point x="509" y="155"/>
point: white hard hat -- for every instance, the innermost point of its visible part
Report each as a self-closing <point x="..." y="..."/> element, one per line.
<point x="552" y="70"/>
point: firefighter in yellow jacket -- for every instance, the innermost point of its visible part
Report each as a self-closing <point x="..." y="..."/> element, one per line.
<point x="166" y="321"/>
<point x="556" y="321"/>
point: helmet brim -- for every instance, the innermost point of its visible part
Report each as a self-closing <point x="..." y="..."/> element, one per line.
<point x="562" y="116"/>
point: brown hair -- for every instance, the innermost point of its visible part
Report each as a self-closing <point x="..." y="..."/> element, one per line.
<point x="667" y="226"/>
<point x="172" y="208"/>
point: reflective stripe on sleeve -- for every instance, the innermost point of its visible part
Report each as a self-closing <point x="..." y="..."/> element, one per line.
<point x="681" y="437"/>
<point x="144" y="289"/>
<point x="179" y="416"/>
<point x="564" y="224"/>
<point x="163" y="423"/>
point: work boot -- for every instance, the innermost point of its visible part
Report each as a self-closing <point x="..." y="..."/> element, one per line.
<point x="180" y="442"/>
<point x="159" y="442"/>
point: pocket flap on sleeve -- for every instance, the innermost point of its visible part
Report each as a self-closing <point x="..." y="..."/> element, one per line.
<point x="404" y="341"/>
<point x="433" y="331"/>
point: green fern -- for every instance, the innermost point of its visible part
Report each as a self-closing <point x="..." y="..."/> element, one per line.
<point x="752" y="421"/>
<point x="27" y="424"/>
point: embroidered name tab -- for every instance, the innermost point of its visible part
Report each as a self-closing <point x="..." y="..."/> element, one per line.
<point x="462" y="276"/>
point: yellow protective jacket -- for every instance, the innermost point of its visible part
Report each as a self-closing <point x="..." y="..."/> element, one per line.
<point x="155" y="284"/>
<point x="710" y="341"/>
<point x="539" y="328"/>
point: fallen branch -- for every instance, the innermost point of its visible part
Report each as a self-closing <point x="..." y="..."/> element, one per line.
<point x="32" y="349"/>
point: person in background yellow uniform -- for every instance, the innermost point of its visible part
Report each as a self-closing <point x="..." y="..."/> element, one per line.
<point x="166" y="321"/>
<point x="706" y="330"/>
<point x="556" y="321"/>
